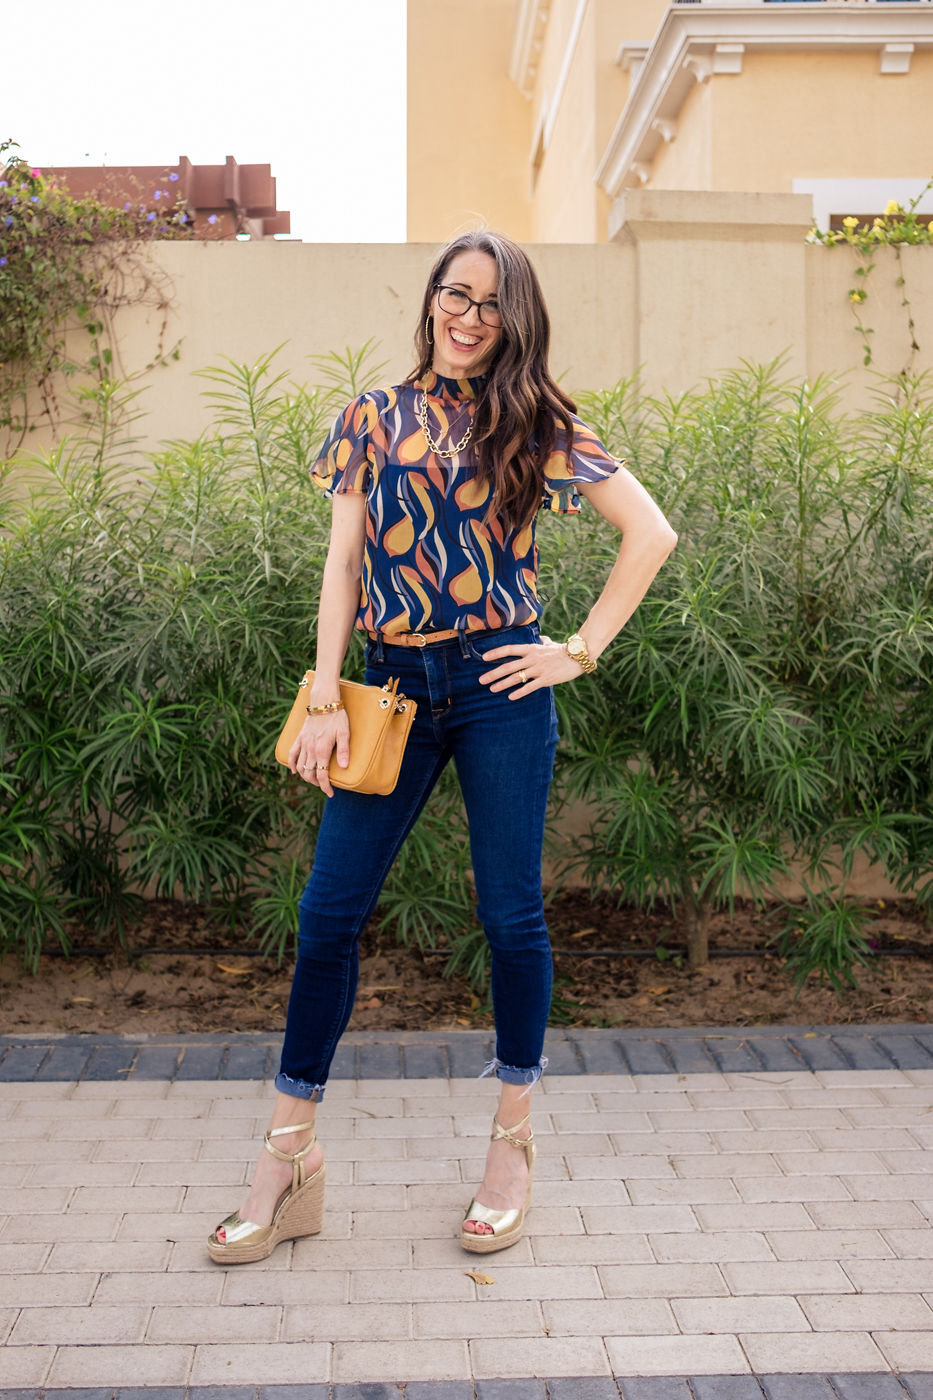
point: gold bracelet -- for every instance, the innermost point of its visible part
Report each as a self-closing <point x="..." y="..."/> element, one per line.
<point x="330" y="709"/>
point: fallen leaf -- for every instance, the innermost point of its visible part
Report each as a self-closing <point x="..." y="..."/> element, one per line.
<point x="235" y="971"/>
<point x="87" y="1001"/>
<point x="657" y="991"/>
<point x="477" y="1277"/>
<point x="583" y="932"/>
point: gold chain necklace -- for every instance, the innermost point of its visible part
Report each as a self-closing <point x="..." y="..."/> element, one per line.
<point x="435" y="448"/>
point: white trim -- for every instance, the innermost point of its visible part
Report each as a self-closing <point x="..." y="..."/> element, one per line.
<point x="696" y="41"/>
<point x="860" y="196"/>
<point x="569" y="51"/>
<point x="530" y="26"/>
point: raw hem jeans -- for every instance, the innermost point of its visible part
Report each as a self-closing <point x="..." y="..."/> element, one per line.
<point x="504" y="753"/>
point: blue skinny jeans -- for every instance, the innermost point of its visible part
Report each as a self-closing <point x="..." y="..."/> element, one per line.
<point x="504" y="753"/>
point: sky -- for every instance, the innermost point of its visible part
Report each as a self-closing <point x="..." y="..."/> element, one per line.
<point x="314" y="88"/>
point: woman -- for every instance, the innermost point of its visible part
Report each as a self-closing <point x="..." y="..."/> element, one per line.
<point x="436" y="484"/>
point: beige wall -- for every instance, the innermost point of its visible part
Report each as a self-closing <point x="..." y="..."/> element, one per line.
<point x="795" y="115"/>
<point x="469" y="128"/>
<point x="694" y="283"/>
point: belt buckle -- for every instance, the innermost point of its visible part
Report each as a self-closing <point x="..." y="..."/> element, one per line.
<point x="417" y="639"/>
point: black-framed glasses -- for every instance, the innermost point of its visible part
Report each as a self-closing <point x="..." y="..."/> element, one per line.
<point x="457" y="303"/>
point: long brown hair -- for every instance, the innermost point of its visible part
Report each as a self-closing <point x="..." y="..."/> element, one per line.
<point x="520" y="407"/>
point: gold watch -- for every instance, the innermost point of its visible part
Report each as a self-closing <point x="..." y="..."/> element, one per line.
<point x="575" y="647"/>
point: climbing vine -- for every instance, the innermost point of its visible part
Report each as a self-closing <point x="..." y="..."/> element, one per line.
<point x="896" y="229"/>
<point x="69" y="263"/>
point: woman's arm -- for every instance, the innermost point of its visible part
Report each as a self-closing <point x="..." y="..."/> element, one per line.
<point x="647" y="540"/>
<point x="339" y="604"/>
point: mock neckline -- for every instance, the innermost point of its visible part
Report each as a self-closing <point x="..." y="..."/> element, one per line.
<point x="441" y="387"/>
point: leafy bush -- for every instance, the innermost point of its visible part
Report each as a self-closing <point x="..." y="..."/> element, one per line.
<point x="769" y="702"/>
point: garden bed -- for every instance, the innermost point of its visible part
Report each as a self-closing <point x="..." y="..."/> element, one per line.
<point x="184" y="973"/>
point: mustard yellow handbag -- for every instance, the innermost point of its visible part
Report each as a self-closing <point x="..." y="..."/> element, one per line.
<point x="380" y="721"/>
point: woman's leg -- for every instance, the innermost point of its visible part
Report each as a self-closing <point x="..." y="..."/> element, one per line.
<point x="359" y="837"/>
<point x="505" y="766"/>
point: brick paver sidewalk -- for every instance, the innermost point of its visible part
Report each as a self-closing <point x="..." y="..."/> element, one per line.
<point x="719" y="1235"/>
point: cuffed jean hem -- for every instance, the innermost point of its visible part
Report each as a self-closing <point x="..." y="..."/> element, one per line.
<point x="512" y="1074"/>
<point x="299" y="1088"/>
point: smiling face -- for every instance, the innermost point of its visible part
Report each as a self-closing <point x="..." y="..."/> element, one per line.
<point x="463" y="344"/>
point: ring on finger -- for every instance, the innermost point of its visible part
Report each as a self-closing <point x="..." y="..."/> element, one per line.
<point x="321" y="767"/>
<point x="522" y="678"/>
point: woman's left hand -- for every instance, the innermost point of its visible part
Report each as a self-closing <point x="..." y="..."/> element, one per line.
<point x="525" y="669"/>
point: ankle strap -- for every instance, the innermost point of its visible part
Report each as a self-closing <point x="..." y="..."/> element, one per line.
<point x="289" y="1156"/>
<point x="508" y="1134"/>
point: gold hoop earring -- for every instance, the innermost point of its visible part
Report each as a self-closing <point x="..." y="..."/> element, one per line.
<point x="429" y="330"/>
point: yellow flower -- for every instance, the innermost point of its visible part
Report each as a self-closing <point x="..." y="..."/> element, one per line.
<point x="850" y="222"/>
<point x="930" y="225"/>
<point x="877" y="222"/>
<point x="892" y="207"/>
<point x="857" y="294"/>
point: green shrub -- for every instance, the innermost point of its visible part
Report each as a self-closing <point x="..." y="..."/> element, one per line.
<point x="769" y="702"/>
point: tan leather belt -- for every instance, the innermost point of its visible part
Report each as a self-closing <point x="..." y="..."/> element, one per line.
<point x="415" y="639"/>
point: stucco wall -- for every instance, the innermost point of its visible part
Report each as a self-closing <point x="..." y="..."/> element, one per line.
<point x="469" y="128"/>
<point x="694" y="283"/>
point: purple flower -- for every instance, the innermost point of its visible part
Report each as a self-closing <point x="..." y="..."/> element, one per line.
<point x="9" y="220"/>
<point x="126" y="205"/>
<point x="3" y="184"/>
<point x="173" y="176"/>
<point x="35" y="199"/>
<point x="2" y="262"/>
<point x="149" y="218"/>
<point x="212" y="219"/>
<point x="156" y="194"/>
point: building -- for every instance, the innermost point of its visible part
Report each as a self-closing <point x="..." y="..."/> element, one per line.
<point x="536" y="116"/>
<point x="216" y="201"/>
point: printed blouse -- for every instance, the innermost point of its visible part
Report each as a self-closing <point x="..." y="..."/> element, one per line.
<point x="431" y="560"/>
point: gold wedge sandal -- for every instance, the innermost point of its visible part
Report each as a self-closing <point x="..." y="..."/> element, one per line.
<point x="299" y="1211"/>
<point x="507" y="1225"/>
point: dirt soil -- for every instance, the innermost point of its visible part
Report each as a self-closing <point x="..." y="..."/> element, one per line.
<point x="159" y="985"/>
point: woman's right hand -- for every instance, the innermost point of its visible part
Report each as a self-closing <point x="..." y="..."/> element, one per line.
<point x="311" y="752"/>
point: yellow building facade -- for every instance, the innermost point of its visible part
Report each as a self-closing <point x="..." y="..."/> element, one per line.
<point x="536" y="116"/>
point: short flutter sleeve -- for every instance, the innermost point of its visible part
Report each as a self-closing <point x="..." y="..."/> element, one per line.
<point x="345" y="462"/>
<point x="587" y="461"/>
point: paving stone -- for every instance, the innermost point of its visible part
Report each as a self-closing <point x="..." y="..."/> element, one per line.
<point x="582" y="1388"/>
<point x="562" y="1057"/>
<point x="817" y="1051"/>
<point x="368" y="1390"/>
<point x="200" y="1062"/>
<point x="380" y="1062"/>
<point x="602" y="1056"/>
<point x="467" y="1057"/>
<point x="245" y="1061"/>
<point x="646" y="1057"/>
<point x="219" y="1392"/>
<point x="282" y="1392"/>
<point x="655" y="1388"/>
<point x="510" y="1390"/>
<point x="777" y="1055"/>
<point x="65" y="1062"/>
<point x="800" y="1387"/>
<point x="156" y="1392"/>
<point x="110" y="1062"/>
<point x="904" y="1051"/>
<point x="725" y="1388"/>
<point x="919" y="1384"/>
<point x="691" y="1057"/>
<point x="732" y="1056"/>
<point x="862" y="1053"/>
<point x="867" y="1387"/>
<point x="433" y="1390"/>
<point x="156" y="1062"/>
<point x="424" y="1062"/>
<point x="22" y="1062"/>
